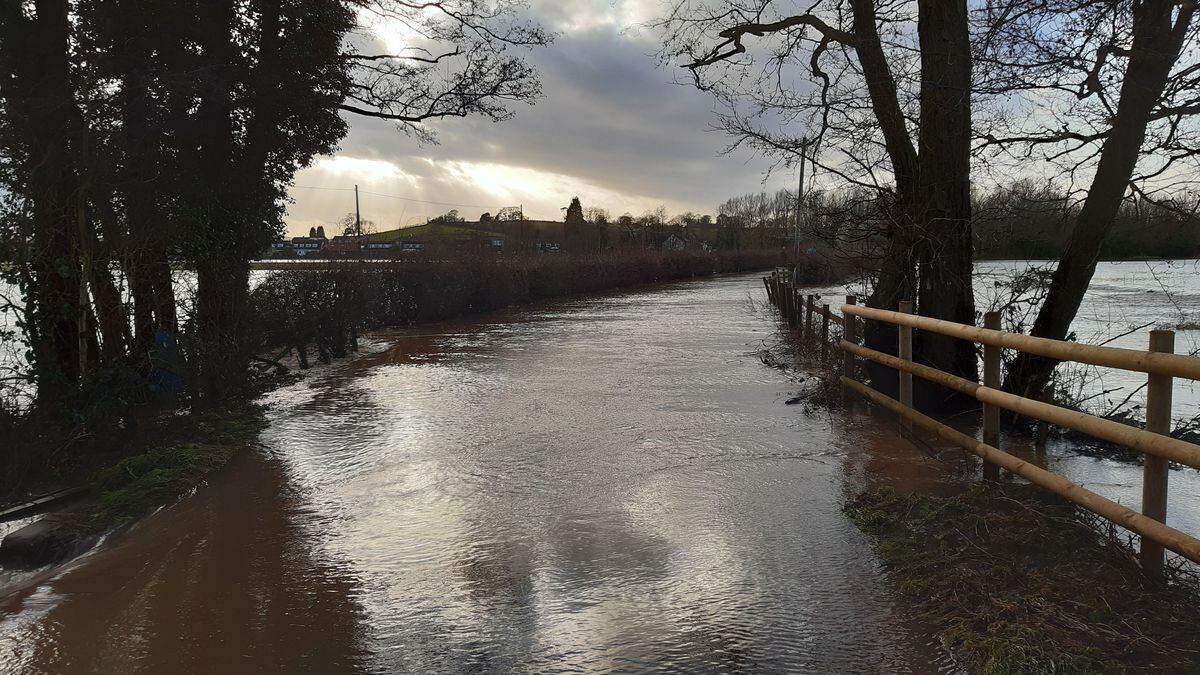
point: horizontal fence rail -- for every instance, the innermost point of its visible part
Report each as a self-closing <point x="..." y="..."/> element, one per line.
<point x="1176" y="365"/>
<point x="1159" y="363"/>
<point x="1148" y="528"/>
<point x="1122" y="434"/>
<point x="812" y="319"/>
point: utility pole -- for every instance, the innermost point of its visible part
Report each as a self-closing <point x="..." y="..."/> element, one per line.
<point x="357" y="214"/>
<point x="357" y="224"/>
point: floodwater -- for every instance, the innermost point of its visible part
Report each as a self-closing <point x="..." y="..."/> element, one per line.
<point x="610" y="484"/>
<point x="1125" y="301"/>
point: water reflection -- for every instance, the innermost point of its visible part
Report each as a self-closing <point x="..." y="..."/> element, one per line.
<point x="609" y="484"/>
<point x="218" y="584"/>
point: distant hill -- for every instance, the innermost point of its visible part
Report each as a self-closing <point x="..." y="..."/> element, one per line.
<point x="455" y="231"/>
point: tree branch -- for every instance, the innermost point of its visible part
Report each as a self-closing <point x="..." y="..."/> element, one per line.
<point x="401" y="57"/>
<point x="733" y="37"/>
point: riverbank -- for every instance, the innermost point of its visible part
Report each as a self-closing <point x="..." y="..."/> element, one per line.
<point x="1015" y="580"/>
<point x="167" y="458"/>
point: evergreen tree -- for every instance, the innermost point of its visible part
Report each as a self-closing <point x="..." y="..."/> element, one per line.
<point x="140" y="136"/>
<point x="575" y="228"/>
<point x="575" y="211"/>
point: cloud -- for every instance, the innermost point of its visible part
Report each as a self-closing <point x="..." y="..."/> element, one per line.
<point x="612" y="128"/>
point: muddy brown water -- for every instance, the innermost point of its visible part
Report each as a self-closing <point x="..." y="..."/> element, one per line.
<point x="610" y="484"/>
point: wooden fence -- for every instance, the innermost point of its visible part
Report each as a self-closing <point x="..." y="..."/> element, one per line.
<point x="1159" y="363"/>
<point x="801" y="311"/>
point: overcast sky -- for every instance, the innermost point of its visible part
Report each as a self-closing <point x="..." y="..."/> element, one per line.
<point x="612" y="128"/>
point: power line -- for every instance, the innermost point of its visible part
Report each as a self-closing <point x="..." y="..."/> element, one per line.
<point x="314" y="187"/>
<point x="425" y="201"/>
<point x="407" y="199"/>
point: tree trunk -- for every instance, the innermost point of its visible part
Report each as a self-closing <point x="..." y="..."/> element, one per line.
<point x="153" y="294"/>
<point x="222" y="275"/>
<point x="164" y="303"/>
<point x="144" y="219"/>
<point x="1156" y="47"/>
<point x="51" y="116"/>
<point x="944" y="215"/>
<point x="223" y="286"/>
<point x="929" y="250"/>
<point x="897" y="267"/>
<point x="110" y="315"/>
<point x="141" y="292"/>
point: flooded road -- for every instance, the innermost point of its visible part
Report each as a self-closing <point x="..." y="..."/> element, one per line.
<point x="611" y="484"/>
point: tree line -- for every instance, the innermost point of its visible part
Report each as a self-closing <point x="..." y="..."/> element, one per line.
<point x="593" y="229"/>
<point x="142" y="140"/>
<point x="908" y="102"/>
<point x="1025" y="220"/>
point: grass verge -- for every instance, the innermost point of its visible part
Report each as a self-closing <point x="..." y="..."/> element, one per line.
<point x="197" y="446"/>
<point x="1018" y="581"/>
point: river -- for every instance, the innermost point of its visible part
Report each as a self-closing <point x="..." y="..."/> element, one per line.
<point x="607" y="484"/>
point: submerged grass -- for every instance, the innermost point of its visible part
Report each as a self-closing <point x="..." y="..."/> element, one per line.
<point x="1017" y="581"/>
<point x="199" y="445"/>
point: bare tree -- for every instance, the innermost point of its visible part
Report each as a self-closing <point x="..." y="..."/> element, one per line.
<point x="875" y="75"/>
<point x="456" y="62"/>
<point x="1113" y="90"/>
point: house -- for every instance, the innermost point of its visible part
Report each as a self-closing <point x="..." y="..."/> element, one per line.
<point x="674" y="243"/>
<point x="522" y="235"/>
<point x="342" y="246"/>
<point x="307" y="246"/>
<point x="297" y="247"/>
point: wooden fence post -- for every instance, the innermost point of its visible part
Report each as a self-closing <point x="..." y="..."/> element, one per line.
<point x="991" y="379"/>
<point x="798" y="307"/>
<point x="808" y="312"/>
<point x="790" y="295"/>
<point x="824" y="333"/>
<point x="1154" y="478"/>
<point x="767" y="285"/>
<point x="906" y="381"/>
<point x="849" y="334"/>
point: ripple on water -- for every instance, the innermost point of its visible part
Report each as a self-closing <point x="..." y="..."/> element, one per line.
<point x="609" y="485"/>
